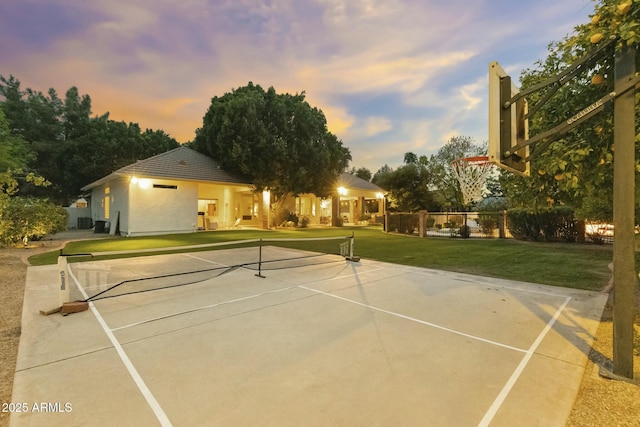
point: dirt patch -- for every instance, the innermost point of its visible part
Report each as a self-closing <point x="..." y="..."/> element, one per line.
<point x="13" y="274"/>
<point x="12" y="278"/>
<point x="604" y="402"/>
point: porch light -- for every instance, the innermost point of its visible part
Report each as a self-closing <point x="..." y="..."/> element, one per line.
<point x="342" y="191"/>
<point x="379" y="196"/>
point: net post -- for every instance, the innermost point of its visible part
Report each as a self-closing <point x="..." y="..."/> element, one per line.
<point x="259" y="274"/>
<point x="63" y="273"/>
<point x="351" y="245"/>
<point x="351" y="256"/>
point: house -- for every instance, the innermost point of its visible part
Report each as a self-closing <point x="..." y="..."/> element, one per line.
<point x="182" y="191"/>
<point x="356" y="201"/>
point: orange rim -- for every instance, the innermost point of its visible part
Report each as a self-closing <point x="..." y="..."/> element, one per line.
<point x="475" y="159"/>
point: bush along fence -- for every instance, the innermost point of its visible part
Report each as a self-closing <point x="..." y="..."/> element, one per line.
<point x="556" y="224"/>
<point x="448" y="224"/>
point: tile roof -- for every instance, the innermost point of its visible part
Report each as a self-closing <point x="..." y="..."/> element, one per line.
<point x="186" y="164"/>
<point x="181" y="163"/>
<point x="353" y="182"/>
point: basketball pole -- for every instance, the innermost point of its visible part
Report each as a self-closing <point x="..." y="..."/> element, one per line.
<point x="626" y="82"/>
<point x="624" y="273"/>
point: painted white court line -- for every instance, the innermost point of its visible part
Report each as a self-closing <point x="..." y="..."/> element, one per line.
<point x="205" y="260"/>
<point x="142" y="386"/>
<point x="204" y="307"/>
<point x="464" y="277"/>
<point x="413" y="319"/>
<point x="497" y="403"/>
<point x="489" y="415"/>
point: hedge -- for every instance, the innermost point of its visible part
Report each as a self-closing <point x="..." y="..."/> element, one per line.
<point x="554" y="224"/>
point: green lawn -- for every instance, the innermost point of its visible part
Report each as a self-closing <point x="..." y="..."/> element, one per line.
<point x="572" y="265"/>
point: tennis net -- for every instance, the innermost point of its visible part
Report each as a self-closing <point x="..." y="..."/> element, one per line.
<point x="98" y="275"/>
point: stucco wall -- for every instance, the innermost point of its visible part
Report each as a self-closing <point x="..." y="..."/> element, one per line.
<point x="119" y="205"/>
<point x="73" y="213"/>
<point x="157" y="208"/>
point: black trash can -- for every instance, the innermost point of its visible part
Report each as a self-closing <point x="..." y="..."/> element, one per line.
<point x="99" y="228"/>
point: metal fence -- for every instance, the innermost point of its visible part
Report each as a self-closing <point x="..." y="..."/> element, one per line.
<point x="479" y="225"/>
<point x="450" y="224"/>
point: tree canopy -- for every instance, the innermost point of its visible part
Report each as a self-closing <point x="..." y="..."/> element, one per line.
<point x="61" y="141"/>
<point x="408" y="188"/>
<point x="277" y="140"/>
<point x="361" y="172"/>
<point x="577" y="170"/>
<point x="14" y="152"/>
<point x="446" y="186"/>
<point x="428" y="182"/>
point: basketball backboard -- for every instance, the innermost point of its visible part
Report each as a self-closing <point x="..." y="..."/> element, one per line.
<point x="507" y="123"/>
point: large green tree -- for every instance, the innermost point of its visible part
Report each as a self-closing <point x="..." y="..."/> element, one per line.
<point x="380" y="175"/>
<point x="277" y="140"/>
<point x="577" y="170"/>
<point x="361" y="172"/>
<point x="408" y="188"/>
<point x="66" y="144"/>
<point x="428" y="182"/>
<point x="14" y="152"/>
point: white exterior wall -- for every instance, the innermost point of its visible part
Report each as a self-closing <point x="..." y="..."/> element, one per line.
<point x="161" y="210"/>
<point x="74" y="213"/>
<point x="97" y="209"/>
<point x="119" y="205"/>
<point x="115" y="194"/>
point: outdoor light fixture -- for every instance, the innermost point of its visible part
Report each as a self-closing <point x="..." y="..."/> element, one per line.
<point x="143" y="183"/>
<point x="342" y="191"/>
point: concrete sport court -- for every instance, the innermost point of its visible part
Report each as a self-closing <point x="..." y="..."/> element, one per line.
<point x="338" y="344"/>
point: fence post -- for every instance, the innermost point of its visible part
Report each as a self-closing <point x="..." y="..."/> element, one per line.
<point x="581" y="230"/>
<point x="502" y="224"/>
<point x="422" y="223"/>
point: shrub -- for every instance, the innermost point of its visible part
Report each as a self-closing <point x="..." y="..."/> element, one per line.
<point x="27" y="218"/>
<point x="549" y="224"/>
<point x="465" y="231"/>
<point x="403" y="222"/>
<point x="284" y="217"/>
<point x="488" y="223"/>
<point x="292" y="218"/>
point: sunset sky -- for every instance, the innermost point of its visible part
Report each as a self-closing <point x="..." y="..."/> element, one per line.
<point x="391" y="76"/>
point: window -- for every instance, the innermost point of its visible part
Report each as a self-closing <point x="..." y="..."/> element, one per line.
<point x="107" y="202"/>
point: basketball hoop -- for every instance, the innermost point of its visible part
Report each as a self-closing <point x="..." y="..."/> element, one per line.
<point x="472" y="173"/>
